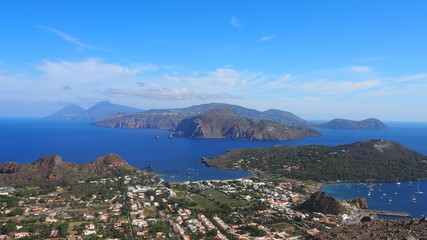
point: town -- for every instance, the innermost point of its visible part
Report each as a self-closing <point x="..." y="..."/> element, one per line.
<point x="142" y="206"/>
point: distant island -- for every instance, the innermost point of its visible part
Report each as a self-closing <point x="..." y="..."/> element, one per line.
<point x="218" y="120"/>
<point x="170" y="118"/>
<point x="367" y="124"/>
<point x="360" y="161"/>
<point x="97" y="112"/>
<point x="51" y="169"/>
<point x="222" y="123"/>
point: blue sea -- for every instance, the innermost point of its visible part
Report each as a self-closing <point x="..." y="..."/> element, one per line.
<point x="24" y="140"/>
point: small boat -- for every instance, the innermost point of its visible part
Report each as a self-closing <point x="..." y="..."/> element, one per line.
<point x="410" y="184"/>
<point x="389" y="202"/>
<point x="170" y="135"/>
<point x="157" y="137"/>
<point x="414" y="200"/>
<point x="419" y="192"/>
<point x="398" y="183"/>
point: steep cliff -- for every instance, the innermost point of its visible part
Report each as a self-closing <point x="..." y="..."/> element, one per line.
<point x="320" y="202"/>
<point x="222" y="123"/>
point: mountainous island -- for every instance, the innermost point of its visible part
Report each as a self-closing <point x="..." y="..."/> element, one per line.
<point x="367" y="124"/>
<point x="218" y="120"/>
<point x="170" y="118"/>
<point x="68" y="112"/>
<point x="360" y="161"/>
<point x="222" y="123"/>
<point x="97" y="112"/>
<point x="51" y="169"/>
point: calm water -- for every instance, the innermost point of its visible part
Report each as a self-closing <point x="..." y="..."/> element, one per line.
<point x="385" y="195"/>
<point x="178" y="159"/>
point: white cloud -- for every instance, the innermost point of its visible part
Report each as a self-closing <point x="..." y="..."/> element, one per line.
<point x="71" y="38"/>
<point x="267" y="38"/>
<point x="337" y="87"/>
<point x="361" y="69"/>
<point x="235" y="23"/>
<point x="167" y="94"/>
<point x="413" y="77"/>
<point x="90" y="70"/>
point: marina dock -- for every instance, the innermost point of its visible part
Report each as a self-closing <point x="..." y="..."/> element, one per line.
<point x="389" y="213"/>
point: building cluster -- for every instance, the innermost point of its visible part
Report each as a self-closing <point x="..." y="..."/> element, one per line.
<point x="144" y="207"/>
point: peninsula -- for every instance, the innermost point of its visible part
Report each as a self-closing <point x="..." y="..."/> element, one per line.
<point x="360" y="161"/>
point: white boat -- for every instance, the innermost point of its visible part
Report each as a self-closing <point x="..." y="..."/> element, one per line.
<point x="419" y="192"/>
<point x="414" y="200"/>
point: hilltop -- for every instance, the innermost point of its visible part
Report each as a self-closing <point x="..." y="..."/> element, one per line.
<point x="170" y="118"/>
<point x="222" y="123"/>
<point x="368" y="124"/>
<point x="68" y="112"/>
<point x="360" y="161"/>
<point x="97" y="112"/>
<point x="51" y="169"/>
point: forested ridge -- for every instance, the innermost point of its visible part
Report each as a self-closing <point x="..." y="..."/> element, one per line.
<point x="361" y="161"/>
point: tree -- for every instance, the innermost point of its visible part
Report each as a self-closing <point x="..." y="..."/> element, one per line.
<point x="8" y="228"/>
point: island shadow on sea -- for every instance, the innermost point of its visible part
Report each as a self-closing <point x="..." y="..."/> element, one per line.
<point x="177" y="159"/>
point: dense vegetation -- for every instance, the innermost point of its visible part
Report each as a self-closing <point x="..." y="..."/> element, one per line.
<point x="375" y="159"/>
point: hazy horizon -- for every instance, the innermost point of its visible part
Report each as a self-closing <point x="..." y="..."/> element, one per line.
<point x="318" y="60"/>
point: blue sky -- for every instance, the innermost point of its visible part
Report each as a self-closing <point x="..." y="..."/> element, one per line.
<point x="317" y="59"/>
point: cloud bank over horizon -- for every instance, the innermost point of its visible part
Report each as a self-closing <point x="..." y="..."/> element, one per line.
<point x="147" y="85"/>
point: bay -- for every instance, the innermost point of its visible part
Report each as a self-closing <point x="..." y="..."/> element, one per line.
<point x="24" y="140"/>
<point x="388" y="196"/>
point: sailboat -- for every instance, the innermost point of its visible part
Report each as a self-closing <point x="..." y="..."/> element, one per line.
<point x="419" y="192"/>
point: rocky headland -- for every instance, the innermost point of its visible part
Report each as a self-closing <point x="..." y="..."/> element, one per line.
<point x="222" y="123"/>
<point x="51" y="169"/>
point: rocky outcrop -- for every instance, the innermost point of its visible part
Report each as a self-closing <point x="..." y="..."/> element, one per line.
<point x="320" y="202"/>
<point x="406" y="229"/>
<point x="222" y="123"/>
<point x="8" y="167"/>
<point x="358" y="203"/>
<point x="367" y="124"/>
<point x="50" y="169"/>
